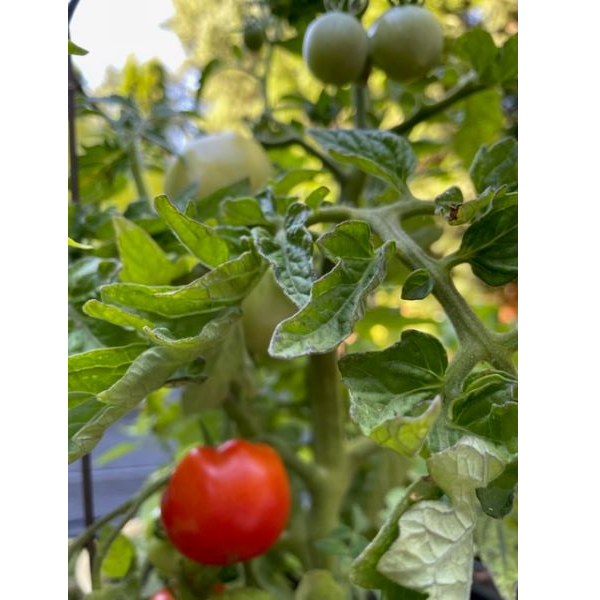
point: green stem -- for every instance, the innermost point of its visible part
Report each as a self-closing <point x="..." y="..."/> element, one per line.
<point x="294" y="140"/>
<point x="137" y="169"/>
<point x="330" y="449"/>
<point x="129" y="509"/>
<point x="466" y="89"/>
<point x="479" y="342"/>
<point x="360" y="97"/>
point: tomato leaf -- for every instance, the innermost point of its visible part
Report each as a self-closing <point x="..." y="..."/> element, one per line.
<point x="98" y="369"/>
<point x="380" y="153"/>
<point x="507" y="64"/>
<point x="495" y="166"/>
<point x="338" y="299"/>
<point x="88" y="420"/>
<point x="289" y="180"/>
<point x="363" y="571"/>
<point x="497" y="542"/>
<point x="115" y="315"/>
<point x="418" y="285"/>
<point x="490" y="244"/>
<point x="290" y="254"/>
<point x="481" y="120"/>
<point x="497" y="498"/>
<point x="488" y="407"/>
<point x="120" y="556"/>
<point x="242" y="211"/>
<point x="224" y="286"/>
<point x="434" y="550"/>
<point x="478" y="47"/>
<point x="143" y="260"/>
<point x="201" y="240"/>
<point x="394" y="392"/>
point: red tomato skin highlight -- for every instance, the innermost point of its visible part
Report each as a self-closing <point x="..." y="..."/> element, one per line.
<point x="227" y="504"/>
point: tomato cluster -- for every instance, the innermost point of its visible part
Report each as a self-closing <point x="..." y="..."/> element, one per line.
<point x="405" y="42"/>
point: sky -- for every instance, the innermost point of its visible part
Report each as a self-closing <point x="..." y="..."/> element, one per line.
<point x="111" y="30"/>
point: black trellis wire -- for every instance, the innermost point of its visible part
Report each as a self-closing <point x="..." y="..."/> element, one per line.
<point x="86" y="466"/>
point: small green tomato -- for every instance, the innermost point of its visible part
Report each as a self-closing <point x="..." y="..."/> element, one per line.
<point x="406" y="42"/>
<point x="335" y="48"/>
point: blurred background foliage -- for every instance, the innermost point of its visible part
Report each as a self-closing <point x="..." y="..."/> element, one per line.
<point x="222" y="86"/>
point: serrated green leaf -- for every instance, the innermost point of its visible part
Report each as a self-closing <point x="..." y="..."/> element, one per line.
<point x="350" y="239"/>
<point x="496" y="165"/>
<point x="497" y="498"/>
<point x="149" y="371"/>
<point x="77" y="50"/>
<point x="488" y="407"/>
<point x="434" y="550"/>
<point x="290" y="254"/>
<point x="394" y="392"/>
<point x="87" y="274"/>
<point x="490" y="244"/>
<point x="363" y="571"/>
<point x="380" y="153"/>
<point x="115" y="315"/>
<point x="337" y="301"/>
<point x="242" y="211"/>
<point x="418" y="285"/>
<point x="478" y="47"/>
<point x="202" y="241"/>
<point x="97" y="370"/>
<point x="226" y="285"/>
<point x="120" y="556"/>
<point x="497" y="544"/>
<point x="143" y="260"/>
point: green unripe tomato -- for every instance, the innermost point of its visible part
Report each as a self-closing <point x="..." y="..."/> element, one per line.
<point x="216" y="161"/>
<point x="406" y="42"/>
<point x="254" y="36"/>
<point x="262" y="310"/>
<point x="335" y="48"/>
<point x="164" y="557"/>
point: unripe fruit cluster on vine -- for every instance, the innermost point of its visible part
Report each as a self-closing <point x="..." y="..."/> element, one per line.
<point x="405" y="43"/>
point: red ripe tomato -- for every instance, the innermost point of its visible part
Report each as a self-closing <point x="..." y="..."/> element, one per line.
<point x="226" y="504"/>
<point x="163" y="594"/>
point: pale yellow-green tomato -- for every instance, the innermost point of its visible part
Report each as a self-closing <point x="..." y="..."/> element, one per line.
<point x="406" y="42"/>
<point x="335" y="48"/>
<point x="262" y="310"/>
<point x="216" y="161"/>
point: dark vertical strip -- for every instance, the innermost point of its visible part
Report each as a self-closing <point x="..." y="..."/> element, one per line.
<point x="73" y="159"/>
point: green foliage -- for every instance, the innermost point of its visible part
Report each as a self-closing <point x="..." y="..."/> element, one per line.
<point x="338" y="298"/>
<point x="394" y="392"/>
<point x="379" y="153"/>
<point x="383" y="357"/>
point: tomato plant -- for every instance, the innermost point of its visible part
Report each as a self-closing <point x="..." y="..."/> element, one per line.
<point x="227" y="504"/>
<point x="295" y="270"/>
